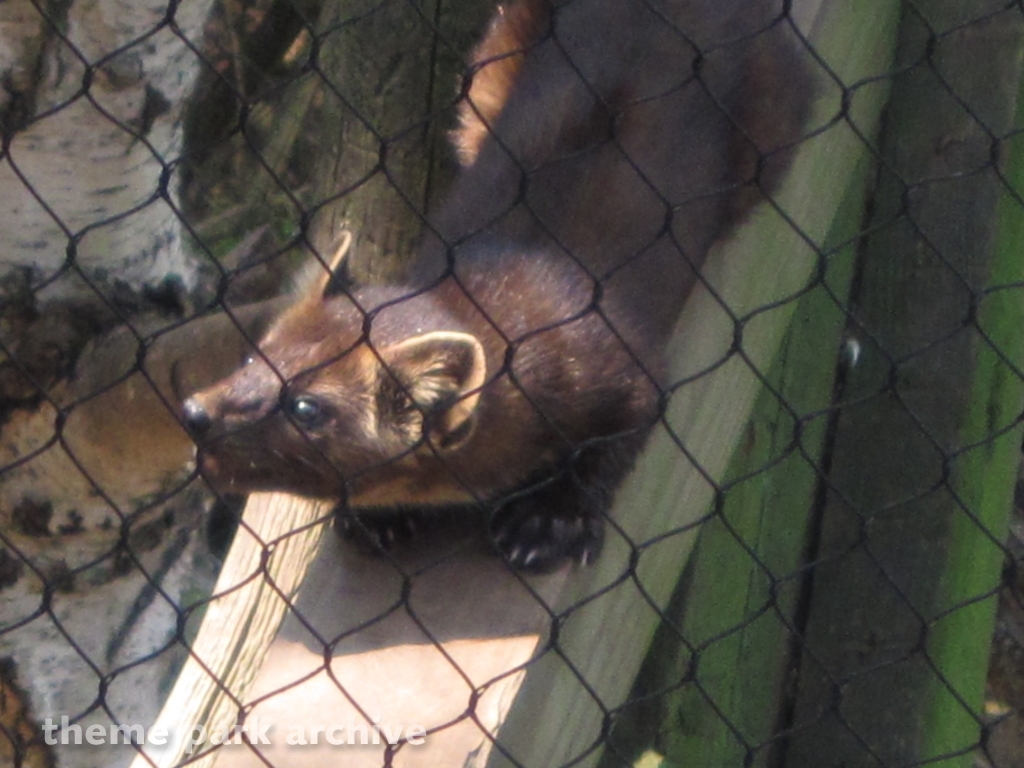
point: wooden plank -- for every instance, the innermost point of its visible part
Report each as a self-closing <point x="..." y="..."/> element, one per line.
<point x="736" y="607"/>
<point x="419" y="638"/>
<point x="267" y="562"/>
<point x="606" y="615"/>
<point x="924" y="456"/>
<point x="984" y="478"/>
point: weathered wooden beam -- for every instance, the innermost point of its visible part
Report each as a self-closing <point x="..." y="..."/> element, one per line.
<point x="278" y="537"/>
<point x="388" y="75"/>
<point x="607" y="615"/>
<point x="927" y="443"/>
<point x="714" y="680"/>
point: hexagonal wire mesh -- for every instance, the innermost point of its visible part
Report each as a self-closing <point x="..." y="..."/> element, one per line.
<point x="165" y="169"/>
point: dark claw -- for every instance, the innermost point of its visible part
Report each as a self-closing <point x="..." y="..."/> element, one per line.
<point x="377" y="533"/>
<point x="541" y="541"/>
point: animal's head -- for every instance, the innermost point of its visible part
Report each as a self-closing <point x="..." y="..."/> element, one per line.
<point x="340" y="396"/>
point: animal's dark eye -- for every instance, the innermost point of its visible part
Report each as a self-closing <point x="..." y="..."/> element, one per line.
<point x="400" y="400"/>
<point x="306" y="410"/>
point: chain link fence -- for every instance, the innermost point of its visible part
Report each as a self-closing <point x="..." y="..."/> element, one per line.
<point x="816" y="559"/>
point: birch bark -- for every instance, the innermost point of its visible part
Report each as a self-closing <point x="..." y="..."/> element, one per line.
<point x="91" y="572"/>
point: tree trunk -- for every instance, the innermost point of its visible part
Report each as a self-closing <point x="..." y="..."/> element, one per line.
<point x="94" y="559"/>
<point x="93" y="119"/>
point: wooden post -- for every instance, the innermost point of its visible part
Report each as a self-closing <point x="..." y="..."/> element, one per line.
<point x="388" y="75"/>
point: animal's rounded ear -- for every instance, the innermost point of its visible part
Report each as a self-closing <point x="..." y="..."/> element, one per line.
<point x="442" y="372"/>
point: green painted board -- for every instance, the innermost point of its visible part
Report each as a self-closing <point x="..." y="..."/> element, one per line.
<point x="747" y="569"/>
<point x="927" y="444"/>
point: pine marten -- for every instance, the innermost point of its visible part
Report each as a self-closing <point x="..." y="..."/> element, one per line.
<point x="606" y="144"/>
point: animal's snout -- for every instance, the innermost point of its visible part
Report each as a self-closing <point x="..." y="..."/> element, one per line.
<point x="195" y="417"/>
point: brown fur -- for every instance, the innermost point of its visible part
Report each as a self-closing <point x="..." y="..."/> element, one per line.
<point x="496" y="62"/>
<point x="608" y="143"/>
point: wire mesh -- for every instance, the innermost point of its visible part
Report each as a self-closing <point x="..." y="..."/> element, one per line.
<point x="169" y="171"/>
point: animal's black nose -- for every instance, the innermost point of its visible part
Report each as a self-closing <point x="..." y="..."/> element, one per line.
<point x="195" y="417"/>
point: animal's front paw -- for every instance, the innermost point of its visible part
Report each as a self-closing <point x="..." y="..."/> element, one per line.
<point x="541" y="541"/>
<point x="379" y="532"/>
